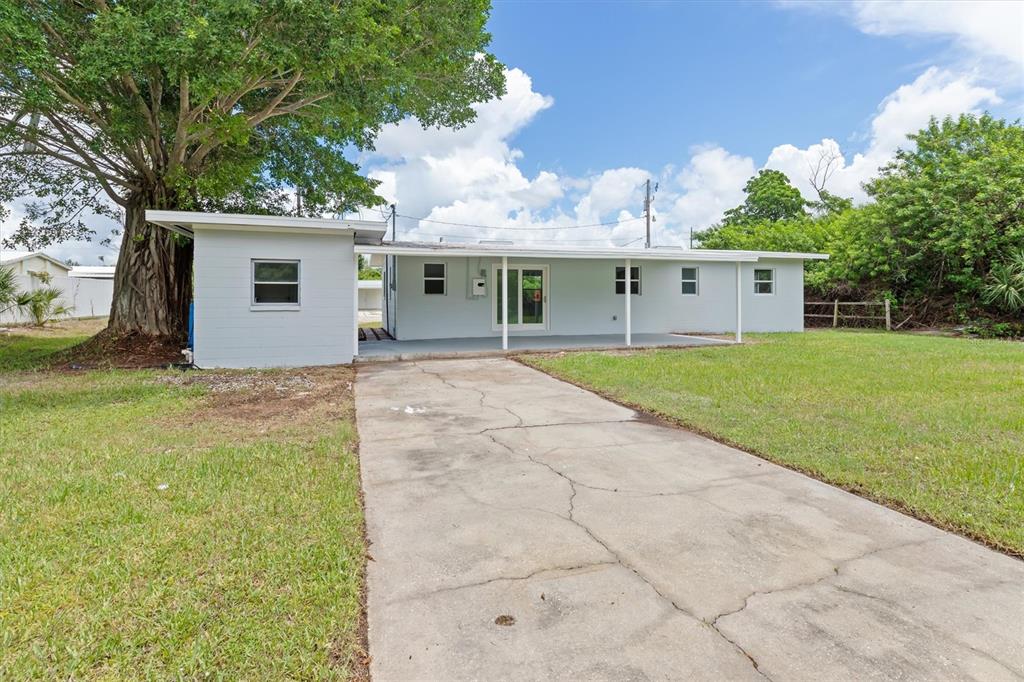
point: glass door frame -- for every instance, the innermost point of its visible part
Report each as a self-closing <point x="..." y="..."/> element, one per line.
<point x="518" y="296"/>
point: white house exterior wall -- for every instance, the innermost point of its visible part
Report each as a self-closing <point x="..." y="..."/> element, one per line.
<point x="231" y="332"/>
<point x="581" y="298"/>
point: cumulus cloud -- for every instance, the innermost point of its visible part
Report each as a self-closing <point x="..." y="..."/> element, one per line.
<point x="986" y="28"/>
<point x="936" y="92"/>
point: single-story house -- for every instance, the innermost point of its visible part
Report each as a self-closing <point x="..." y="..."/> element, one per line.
<point x="86" y="291"/>
<point x="30" y="263"/>
<point x="279" y="291"/>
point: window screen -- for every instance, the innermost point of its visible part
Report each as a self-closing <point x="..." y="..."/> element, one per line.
<point x="689" y="281"/>
<point x="634" y="280"/>
<point x="764" y="281"/>
<point x="275" y="281"/>
<point x="434" y="278"/>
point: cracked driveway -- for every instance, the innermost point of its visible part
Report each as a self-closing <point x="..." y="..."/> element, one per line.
<point x="625" y="549"/>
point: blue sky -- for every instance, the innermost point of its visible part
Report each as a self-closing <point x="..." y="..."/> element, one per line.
<point x="695" y="96"/>
<point x="640" y="83"/>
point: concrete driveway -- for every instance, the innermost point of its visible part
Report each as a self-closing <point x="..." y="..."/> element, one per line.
<point x="523" y="528"/>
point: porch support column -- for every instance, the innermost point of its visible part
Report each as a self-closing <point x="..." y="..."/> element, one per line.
<point x="355" y="305"/>
<point x="739" y="303"/>
<point x="504" y="302"/>
<point x="629" y="296"/>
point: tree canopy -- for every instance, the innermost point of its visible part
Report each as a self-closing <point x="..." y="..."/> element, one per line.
<point x="944" y="229"/>
<point x="215" y="105"/>
<point x="770" y="197"/>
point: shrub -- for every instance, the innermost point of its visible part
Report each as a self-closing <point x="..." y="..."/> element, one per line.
<point x="43" y="306"/>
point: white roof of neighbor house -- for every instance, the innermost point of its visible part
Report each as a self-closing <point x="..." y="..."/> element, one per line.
<point x="10" y="257"/>
<point x="187" y="222"/>
<point x="93" y="271"/>
<point x="530" y="250"/>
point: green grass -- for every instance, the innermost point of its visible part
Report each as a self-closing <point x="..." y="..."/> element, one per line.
<point x="21" y="352"/>
<point x="157" y="530"/>
<point x="931" y="425"/>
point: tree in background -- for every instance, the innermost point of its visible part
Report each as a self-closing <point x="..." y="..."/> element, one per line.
<point x="942" y="235"/>
<point x="947" y="209"/>
<point x="214" y="105"/>
<point x="770" y="197"/>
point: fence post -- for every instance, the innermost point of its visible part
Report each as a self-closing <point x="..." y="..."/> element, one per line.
<point x="888" y="317"/>
<point x="835" y="315"/>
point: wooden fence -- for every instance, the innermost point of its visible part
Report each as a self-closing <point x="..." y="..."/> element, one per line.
<point x="837" y="316"/>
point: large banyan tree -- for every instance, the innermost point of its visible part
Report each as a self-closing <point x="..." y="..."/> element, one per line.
<point x="113" y="107"/>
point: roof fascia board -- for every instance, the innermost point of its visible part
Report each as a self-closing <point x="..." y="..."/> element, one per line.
<point x="187" y="222"/>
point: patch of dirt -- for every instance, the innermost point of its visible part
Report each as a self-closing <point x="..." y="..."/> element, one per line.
<point x="130" y="351"/>
<point x="505" y="620"/>
<point x="297" y="404"/>
<point x="80" y="327"/>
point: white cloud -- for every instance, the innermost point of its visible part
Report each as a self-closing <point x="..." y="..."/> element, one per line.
<point x="986" y="28"/>
<point x="936" y="93"/>
<point x="472" y="175"/>
<point x="81" y="252"/>
<point x="711" y="183"/>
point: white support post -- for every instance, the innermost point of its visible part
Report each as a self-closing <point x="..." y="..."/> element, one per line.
<point x="629" y="297"/>
<point x="504" y="302"/>
<point x="355" y="305"/>
<point x="739" y="303"/>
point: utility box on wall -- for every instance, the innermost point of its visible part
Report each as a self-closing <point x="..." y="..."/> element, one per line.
<point x="479" y="287"/>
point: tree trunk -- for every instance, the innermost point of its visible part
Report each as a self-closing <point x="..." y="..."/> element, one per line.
<point x="153" y="279"/>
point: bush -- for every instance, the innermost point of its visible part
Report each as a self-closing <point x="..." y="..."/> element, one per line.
<point x="42" y="306"/>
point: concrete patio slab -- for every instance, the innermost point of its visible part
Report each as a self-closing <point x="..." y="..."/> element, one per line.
<point x="524" y="528"/>
<point x="486" y="346"/>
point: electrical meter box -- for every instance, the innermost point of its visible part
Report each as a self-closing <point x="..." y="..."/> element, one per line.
<point x="479" y="286"/>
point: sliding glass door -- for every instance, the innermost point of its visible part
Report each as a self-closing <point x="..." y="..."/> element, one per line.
<point x="527" y="297"/>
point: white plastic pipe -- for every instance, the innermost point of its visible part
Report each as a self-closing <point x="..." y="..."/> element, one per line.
<point x="504" y="302"/>
<point x="739" y="303"/>
<point x="629" y="296"/>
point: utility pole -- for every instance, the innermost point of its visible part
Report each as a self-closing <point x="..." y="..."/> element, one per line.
<point x="394" y="221"/>
<point x="647" y="214"/>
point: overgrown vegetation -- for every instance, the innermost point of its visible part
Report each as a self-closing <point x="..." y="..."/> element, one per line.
<point x="177" y="525"/>
<point x="931" y="425"/>
<point x="940" y="235"/>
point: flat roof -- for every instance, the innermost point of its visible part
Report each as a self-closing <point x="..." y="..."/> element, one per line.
<point x="531" y="251"/>
<point x="187" y="222"/>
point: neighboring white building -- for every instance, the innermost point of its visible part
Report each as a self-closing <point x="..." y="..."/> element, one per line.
<point x="93" y="271"/>
<point x="273" y="291"/>
<point x="370" y="294"/>
<point x="88" y="291"/>
<point x="28" y="262"/>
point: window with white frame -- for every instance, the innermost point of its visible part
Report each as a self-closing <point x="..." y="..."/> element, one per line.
<point x="764" y="281"/>
<point x="275" y="282"/>
<point x="689" y="279"/>
<point x="434" y="278"/>
<point x="634" y="280"/>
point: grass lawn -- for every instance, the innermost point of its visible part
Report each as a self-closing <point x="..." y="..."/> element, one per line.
<point x="160" y="524"/>
<point x="934" y="426"/>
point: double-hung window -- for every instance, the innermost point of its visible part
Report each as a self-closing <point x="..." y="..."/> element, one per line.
<point x="689" y="280"/>
<point x="434" y="278"/>
<point x="634" y="280"/>
<point x="764" y="281"/>
<point x="275" y="282"/>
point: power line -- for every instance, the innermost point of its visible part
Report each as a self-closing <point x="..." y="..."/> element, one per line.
<point x="517" y="228"/>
